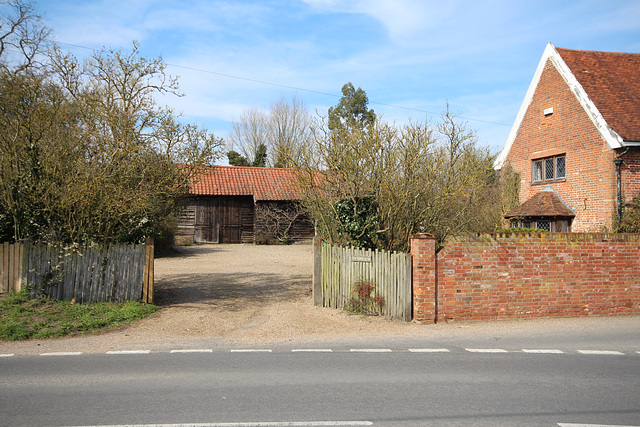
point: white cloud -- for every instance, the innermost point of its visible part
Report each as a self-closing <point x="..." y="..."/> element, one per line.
<point x="403" y="19"/>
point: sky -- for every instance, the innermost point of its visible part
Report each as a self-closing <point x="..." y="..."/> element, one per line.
<point x="411" y="57"/>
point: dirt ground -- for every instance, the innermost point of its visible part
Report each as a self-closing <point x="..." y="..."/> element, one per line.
<point x="230" y="295"/>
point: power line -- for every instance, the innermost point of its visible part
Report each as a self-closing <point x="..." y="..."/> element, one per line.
<point x="333" y="95"/>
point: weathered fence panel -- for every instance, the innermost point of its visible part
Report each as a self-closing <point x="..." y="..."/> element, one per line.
<point x="110" y="273"/>
<point x="10" y="267"/>
<point x="338" y="269"/>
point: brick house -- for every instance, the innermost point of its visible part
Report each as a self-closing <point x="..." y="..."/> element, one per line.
<point x="576" y="141"/>
<point x="231" y="204"/>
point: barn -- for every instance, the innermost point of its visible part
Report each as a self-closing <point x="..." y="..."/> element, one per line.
<point x="232" y="204"/>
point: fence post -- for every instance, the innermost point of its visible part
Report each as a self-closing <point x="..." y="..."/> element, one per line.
<point x="425" y="286"/>
<point x="18" y="268"/>
<point x="317" y="271"/>
<point x="147" y="286"/>
<point x="4" y="267"/>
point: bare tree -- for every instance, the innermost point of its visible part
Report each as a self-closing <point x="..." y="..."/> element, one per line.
<point x="86" y="154"/>
<point x="288" y="132"/>
<point x="398" y="181"/>
<point x="22" y="36"/>
<point x="276" y="221"/>
<point x="249" y="133"/>
<point x="283" y="130"/>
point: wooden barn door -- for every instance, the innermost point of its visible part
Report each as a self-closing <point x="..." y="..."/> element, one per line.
<point x="224" y="220"/>
<point x="207" y="228"/>
<point x="236" y="220"/>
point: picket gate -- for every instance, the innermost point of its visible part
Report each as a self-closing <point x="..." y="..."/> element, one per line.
<point x="337" y="270"/>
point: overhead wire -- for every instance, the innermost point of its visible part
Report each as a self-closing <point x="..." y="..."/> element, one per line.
<point x="231" y="76"/>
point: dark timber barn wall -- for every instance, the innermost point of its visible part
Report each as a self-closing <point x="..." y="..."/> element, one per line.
<point x="222" y="208"/>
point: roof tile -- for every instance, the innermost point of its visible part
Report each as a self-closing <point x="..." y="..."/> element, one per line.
<point x="261" y="183"/>
<point x="612" y="81"/>
<point x="545" y="203"/>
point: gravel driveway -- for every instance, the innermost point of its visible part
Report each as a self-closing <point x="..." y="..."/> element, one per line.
<point x="248" y="294"/>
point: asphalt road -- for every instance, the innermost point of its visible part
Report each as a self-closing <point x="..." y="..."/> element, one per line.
<point x="532" y="380"/>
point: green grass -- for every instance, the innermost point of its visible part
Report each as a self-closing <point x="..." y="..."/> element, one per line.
<point x="23" y="318"/>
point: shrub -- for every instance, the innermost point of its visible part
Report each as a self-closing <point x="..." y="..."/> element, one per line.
<point x="365" y="300"/>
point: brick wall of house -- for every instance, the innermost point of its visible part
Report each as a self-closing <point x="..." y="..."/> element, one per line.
<point x="519" y="275"/>
<point x="630" y="173"/>
<point x="590" y="187"/>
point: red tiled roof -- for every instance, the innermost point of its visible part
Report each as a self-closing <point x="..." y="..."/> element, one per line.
<point x="612" y="81"/>
<point x="545" y="203"/>
<point x="261" y="183"/>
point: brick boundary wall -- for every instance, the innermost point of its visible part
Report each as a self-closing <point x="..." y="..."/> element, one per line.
<point x="526" y="275"/>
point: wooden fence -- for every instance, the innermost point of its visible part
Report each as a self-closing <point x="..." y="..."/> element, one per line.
<point x="10" y="267"/>
<point x="338" y="269"/>
<point x="111" y="273"/>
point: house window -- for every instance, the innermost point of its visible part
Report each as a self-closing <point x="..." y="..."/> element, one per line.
<point x="551" y="169"/>
<point x="554" y="225"/>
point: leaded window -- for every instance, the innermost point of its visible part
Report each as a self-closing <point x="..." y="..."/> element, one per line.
<point x="551" y="169"/>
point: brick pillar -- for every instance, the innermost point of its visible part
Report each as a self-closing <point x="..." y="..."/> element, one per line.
<point x="423" y="252"/>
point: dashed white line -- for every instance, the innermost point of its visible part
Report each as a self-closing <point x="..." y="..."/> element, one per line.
<point x="353" y="350"/>
<point x="63" y="353"/>
<point x="129" y="352"/>
<point x="486" y="350"/>
<point x="258" y="424"/>
<point x="591" y="425"/>
<point x="193" y="350"/>
<point x="602" y="352"/>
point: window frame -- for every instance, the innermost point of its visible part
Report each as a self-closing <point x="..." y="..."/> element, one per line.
<point x="540" y="165"/>
<point x="552" y="224"/>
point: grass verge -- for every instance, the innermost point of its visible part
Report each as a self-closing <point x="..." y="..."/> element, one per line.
<point x="22" y="317"/>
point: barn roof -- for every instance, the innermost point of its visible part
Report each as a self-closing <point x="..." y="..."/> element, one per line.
<point x="261" y="183"/>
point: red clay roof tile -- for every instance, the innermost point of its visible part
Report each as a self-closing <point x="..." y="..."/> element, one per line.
<point x="612" y="81"/>
<point x="261" y="183"/>
<point x="545" y="203"/>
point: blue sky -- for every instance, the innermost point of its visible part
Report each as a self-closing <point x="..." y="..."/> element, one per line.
<point x="410" y="56"/>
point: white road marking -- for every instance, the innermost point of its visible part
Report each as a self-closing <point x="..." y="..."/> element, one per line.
<point x="129" y="352"/>
<point x="429" y="350"/>
<point x="254" y="424"/>
<point x="193" y="350"/>
<point x="591" y="425"/>
<point x="62" y="353"/>
<point x="486" y="350"/>
<point x="7" y="355"/>
<point x="542" y="351"/>
<point x="311" y="350"/>
<point x="251" y="350"/>
<point x="371" y="350"/>
<point x="602" y="352"/>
